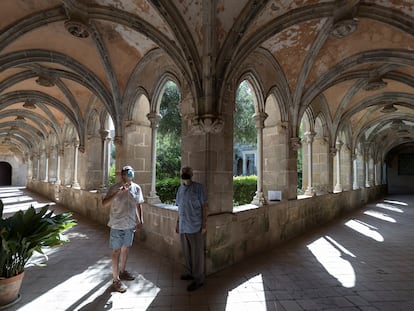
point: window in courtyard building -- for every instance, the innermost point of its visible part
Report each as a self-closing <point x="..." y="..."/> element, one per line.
<point x="244" y="146"/>
<point x="168" y="144"/>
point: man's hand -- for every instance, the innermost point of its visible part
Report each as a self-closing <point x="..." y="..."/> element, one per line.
<point x="123" y="188"/>
<point x="138" y="226"/>
<point x="203" y="228"/>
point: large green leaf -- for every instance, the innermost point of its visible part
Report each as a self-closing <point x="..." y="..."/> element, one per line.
<point x="26" y="232"/>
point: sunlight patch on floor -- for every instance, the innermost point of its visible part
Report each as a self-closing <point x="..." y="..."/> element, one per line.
<point x="379" y="215"/>
<point x="92" y="289"/>
<point x="396" y="202"/>
<point x="389" y="207"/>
<point x="339" y="246"/>
<point x="365" y="229"/>
<point x="330" y="257"/>
<point x="251" y="292"/>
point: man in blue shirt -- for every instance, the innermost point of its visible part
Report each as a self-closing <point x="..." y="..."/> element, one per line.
<point x="191" y="225"/>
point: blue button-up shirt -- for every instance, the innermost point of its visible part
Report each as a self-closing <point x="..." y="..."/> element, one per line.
<point x="190" y="200"/>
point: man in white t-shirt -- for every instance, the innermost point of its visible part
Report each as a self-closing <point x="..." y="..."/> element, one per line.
<point x="125" y="218"/>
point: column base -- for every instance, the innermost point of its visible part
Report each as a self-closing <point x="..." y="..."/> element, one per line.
<point x="338" y="188"/>
<point x="103" y="188"/>
<point x="310" y="191"/>
<point x="153" y="198"/>
<point x="259" y="199"/>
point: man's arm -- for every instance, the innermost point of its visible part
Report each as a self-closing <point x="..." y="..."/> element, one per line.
<point x="109" y="198"/>
<point x="139" y="214"/>
<point x="204" y="209"/>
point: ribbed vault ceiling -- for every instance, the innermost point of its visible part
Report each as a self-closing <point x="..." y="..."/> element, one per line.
<point x="355" y="56"/>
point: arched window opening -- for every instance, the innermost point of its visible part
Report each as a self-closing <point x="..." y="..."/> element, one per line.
<point x="299" y="164"/>
<point x="168" y="143"/>
<point x="111" y="151"/>
<point x="5" y="174"/>
<point x="244" y="145"/>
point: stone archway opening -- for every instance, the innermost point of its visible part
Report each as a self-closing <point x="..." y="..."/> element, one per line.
<point x="5" y="174"/>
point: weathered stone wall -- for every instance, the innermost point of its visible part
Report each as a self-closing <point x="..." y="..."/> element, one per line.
<point x="234" y="236"/>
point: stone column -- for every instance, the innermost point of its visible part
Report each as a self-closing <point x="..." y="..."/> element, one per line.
<point x="292" y="168"/>
<point x="58" y="164"/>
<point x="154" y="118"/>
<point x="355" y="171"/>
<point x="28" y="165"/>
<point x="33" y="157"/>
<point x="38" y="166"/>
<point x="104" y="164"/>
<point x="259" y="198"/>
<point x="338" y="186"/>
<point x="309" y="136"/>
<point x="366" y="164"/>
<point x="75" y="183"/>
<point x="47" y="155"/>
<point x="120" y="159"/>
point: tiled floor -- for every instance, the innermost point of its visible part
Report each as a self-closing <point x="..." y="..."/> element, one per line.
<point x="362" y="262"/>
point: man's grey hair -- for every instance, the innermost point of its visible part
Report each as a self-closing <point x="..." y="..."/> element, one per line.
<point x="187" y="168"/>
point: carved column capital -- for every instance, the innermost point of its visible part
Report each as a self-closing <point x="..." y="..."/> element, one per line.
<point x="154" y="118"/>
<point x="308" y="137"/>
<point x="118" y="140"/>
<point x="339" y="145"/>
<point x="295" y="143"/>
<point x="104" y="134"/>
<point x="260" y="117"/>
<point x="207" y="123"/>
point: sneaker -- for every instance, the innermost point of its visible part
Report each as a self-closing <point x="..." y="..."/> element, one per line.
<point x="193" y="286"/>
<point x="125" y="275"/>
<point x="118" y="286"/>
<point x="186" y="277"/>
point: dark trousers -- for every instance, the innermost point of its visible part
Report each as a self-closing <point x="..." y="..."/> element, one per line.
<point x="193" y="251"/>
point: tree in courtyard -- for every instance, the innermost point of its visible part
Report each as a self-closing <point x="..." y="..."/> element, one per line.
<point x="169" y="134"/>
<point x="244" y="125"/>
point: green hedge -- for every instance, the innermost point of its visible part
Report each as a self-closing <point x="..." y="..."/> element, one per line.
<point x="167" y="188"/>
<point x="244" y="188"/>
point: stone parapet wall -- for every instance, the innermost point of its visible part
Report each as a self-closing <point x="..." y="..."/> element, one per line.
<point x="231" y="237"/>
<point x="87" y="203"/>
<point x="44" y="188"/>
<point x="235" y="236"/>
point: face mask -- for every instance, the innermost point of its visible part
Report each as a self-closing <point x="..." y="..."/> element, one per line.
<point x="185" y="176"/>
<point x="130" y="174"/>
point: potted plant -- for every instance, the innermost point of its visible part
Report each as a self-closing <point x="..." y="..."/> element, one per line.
<point x="22" y="234"/>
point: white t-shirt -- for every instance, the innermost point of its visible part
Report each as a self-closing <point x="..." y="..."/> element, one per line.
<point x="123" y="207"/>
